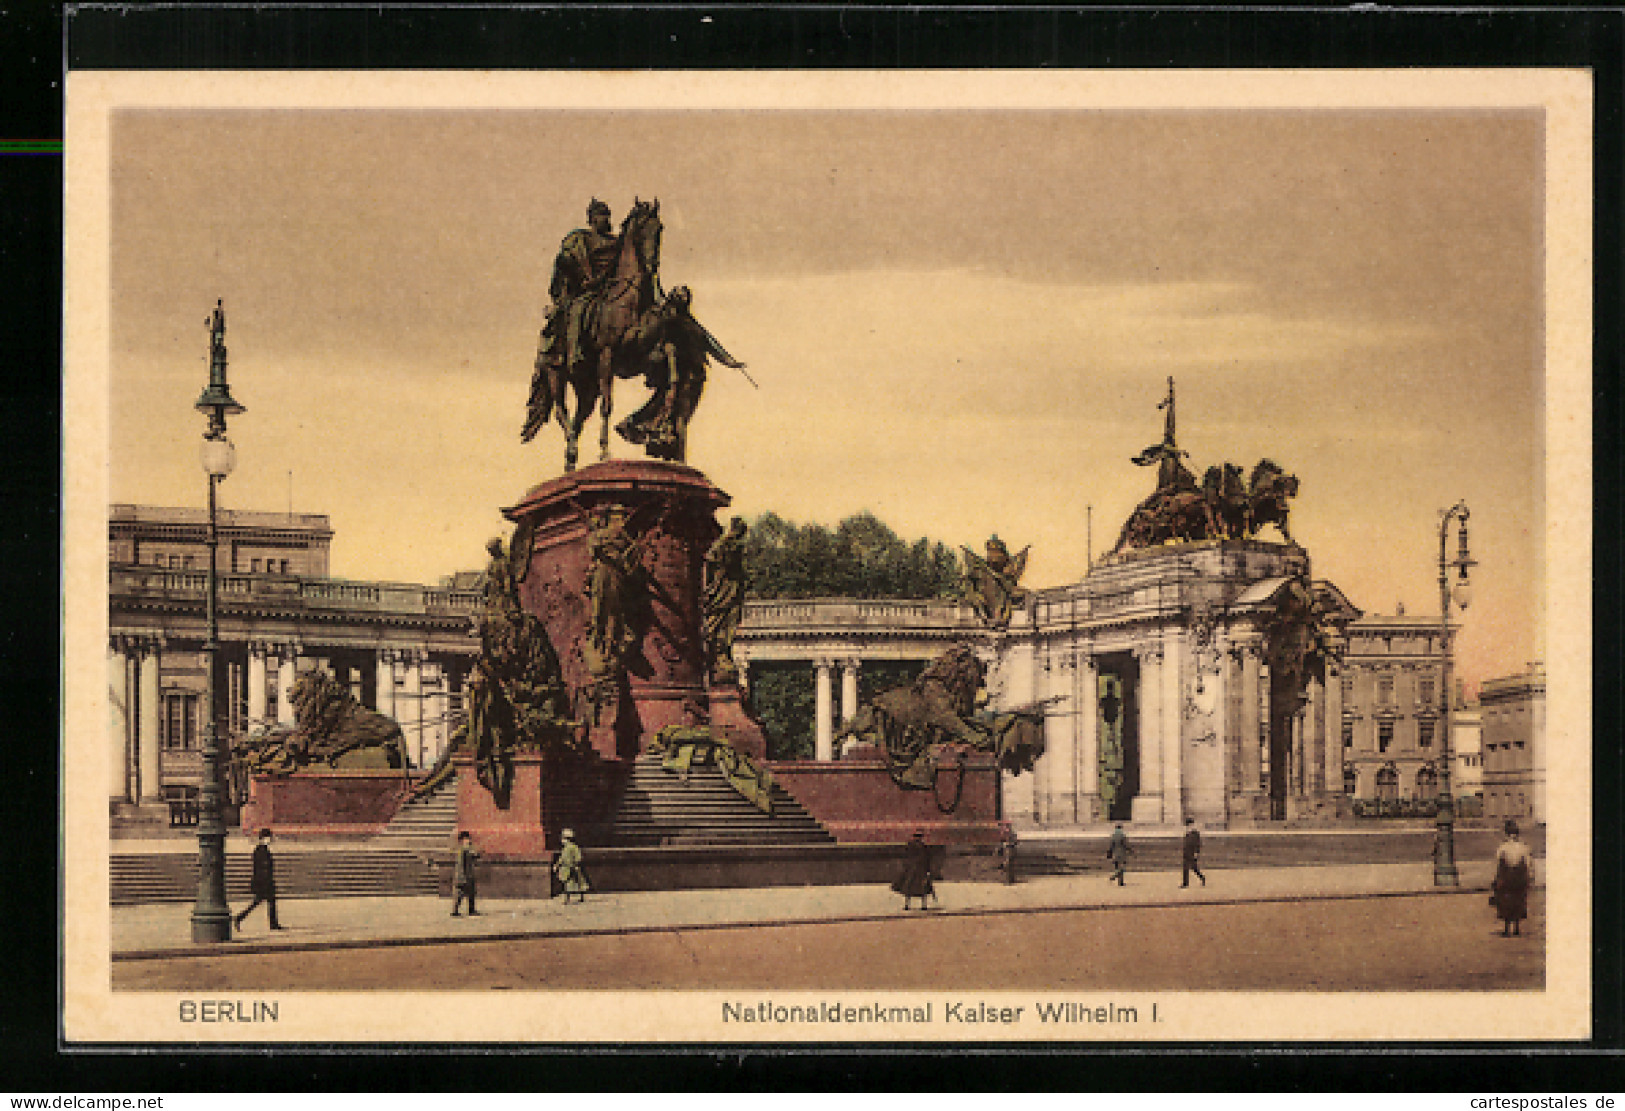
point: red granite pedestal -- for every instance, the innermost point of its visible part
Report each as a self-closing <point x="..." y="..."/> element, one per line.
<point x="328" y="803"/>
<point x="671" y="509"/>
<point x="856" y="800"/>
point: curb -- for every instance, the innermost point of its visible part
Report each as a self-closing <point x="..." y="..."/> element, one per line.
<point x="258" y="948"/>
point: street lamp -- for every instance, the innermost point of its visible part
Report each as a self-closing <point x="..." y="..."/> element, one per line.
<point x="1444" y="853"/>
<point x="211" y="917"/>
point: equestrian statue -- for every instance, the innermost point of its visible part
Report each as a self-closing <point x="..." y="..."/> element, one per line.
<point x="611" y="319"/>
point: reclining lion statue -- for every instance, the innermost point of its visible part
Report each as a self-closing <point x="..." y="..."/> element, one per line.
<point x="917" y="727"/>
<point x="330" y="729"/>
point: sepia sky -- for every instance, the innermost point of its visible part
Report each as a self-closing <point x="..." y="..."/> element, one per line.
<point x="960" y="320"/>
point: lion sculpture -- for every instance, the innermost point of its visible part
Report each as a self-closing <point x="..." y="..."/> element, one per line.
<point x="916" y="726"/>
<point x="330" y="729"/>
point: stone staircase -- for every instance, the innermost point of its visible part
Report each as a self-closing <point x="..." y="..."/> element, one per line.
<point x="659" y="809"/>
<point x="173" y="877"/>
<point x="425" y="824"/>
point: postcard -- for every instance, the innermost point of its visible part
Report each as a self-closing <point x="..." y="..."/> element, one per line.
<point x="839" y="557"/>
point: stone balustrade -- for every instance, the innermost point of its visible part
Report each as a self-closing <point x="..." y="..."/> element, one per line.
<point x="395" y="598"/>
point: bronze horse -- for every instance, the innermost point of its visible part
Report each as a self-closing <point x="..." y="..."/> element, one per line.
<point x="632" y="329"/>
<point x="1223" y="509"/>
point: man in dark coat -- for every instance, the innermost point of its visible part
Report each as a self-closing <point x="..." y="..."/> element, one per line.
<point x="1192" y="852"/>
<point x="262" y="883"/>
<point x="1117" y="852"/>
<point x="462" y="879"/>
<point x="915" y="882"/>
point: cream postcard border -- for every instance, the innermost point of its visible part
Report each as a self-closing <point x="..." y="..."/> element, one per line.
<point x="94" y="1013"/>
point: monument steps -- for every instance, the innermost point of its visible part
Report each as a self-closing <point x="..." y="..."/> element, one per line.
<point x="659" y="808"/>
<point x="172" y="877"/>
<point x="428" y="822"/>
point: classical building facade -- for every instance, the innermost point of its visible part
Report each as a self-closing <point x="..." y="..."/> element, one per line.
<point x="1155" y="674"/>
<point x="1514" y="741"/>
<point x="403" y="649"/>
<point x="1392" y="731"/>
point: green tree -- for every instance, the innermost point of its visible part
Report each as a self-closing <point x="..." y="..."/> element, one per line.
<point x="860" y="558"/>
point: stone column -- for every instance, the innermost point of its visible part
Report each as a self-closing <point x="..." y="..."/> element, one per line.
<point x="434" y="727"/>
<point x="412" y="718"/>
<point x="849" y="688"/>
<point x="1249" y="759"/>
<point x="151" y="659"/>
<point x="256" y="684"/>
<point x="1060" y="743"/>
<point x="1147" y="806"/>
<point x="118" y="701"/>
<point x="824" y="734"/>
<point x="1314" y="755"/>
<point x="1086" y="701"/>
<point x="384" y="691"/>
<point x="1173" y="730"/>
<point x="287" y="654"/>
<point x="742" y="668"/>
<point x="1334" y="754"/>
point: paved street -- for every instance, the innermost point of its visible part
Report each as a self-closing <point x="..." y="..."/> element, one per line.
<point x="1354" y="928"/>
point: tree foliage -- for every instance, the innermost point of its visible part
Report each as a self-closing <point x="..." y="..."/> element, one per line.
<point x="860" y="558"/>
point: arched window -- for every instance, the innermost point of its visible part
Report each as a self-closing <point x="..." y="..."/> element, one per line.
<point x="1351" y="781"/>
<point x="1388" y="782"/>
<point x="1427" y="782"/>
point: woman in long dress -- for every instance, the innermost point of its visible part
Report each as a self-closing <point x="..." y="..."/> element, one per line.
<point x="1511" y="886"/>
<point x="572" y="876"/>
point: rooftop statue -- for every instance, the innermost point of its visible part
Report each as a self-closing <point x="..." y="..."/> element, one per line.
<point x="1221" y="507"/>
<point x="611" y="319"/>
<point x="992" y="583"/>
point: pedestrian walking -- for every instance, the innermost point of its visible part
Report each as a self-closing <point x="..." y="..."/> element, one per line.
<point x="1511" y="887"/>
<point x="1117" y="852"/>
<point x="463" y="882"/>
<point x="1191" y="854"/>
<point x="915" y="880"/>
<point x="1007" y="853"/>
<point x="262" y="882"/>
<point x="567" y="867"/>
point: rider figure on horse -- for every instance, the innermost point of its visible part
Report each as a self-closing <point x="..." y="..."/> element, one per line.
<point x="585" y="261"/>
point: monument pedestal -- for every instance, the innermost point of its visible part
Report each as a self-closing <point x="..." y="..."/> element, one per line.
<point x="731" y="720"/>
<point x="671" y="513"/>
<point x="333" y="803"/>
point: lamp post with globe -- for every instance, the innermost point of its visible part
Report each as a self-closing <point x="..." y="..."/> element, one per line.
<point x="211" y="916"/>
<point x="1444" y="856"/>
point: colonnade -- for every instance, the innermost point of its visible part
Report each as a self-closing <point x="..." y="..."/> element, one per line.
<point x="133" y="662"/>
<point x="409" y="686"/>
<point x="825" y="721"/>
<point x="1200" y="729"/>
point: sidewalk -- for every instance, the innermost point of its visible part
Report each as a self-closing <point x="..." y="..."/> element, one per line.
<point x="153" y="931"/>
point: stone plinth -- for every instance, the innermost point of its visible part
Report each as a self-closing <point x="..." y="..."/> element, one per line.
<point x="856" y="800"/>
<point x="671" y="510"/>
<point x="338" y="803"/>
<point x="548" y="794"/>
<point x="730" y="719"/>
